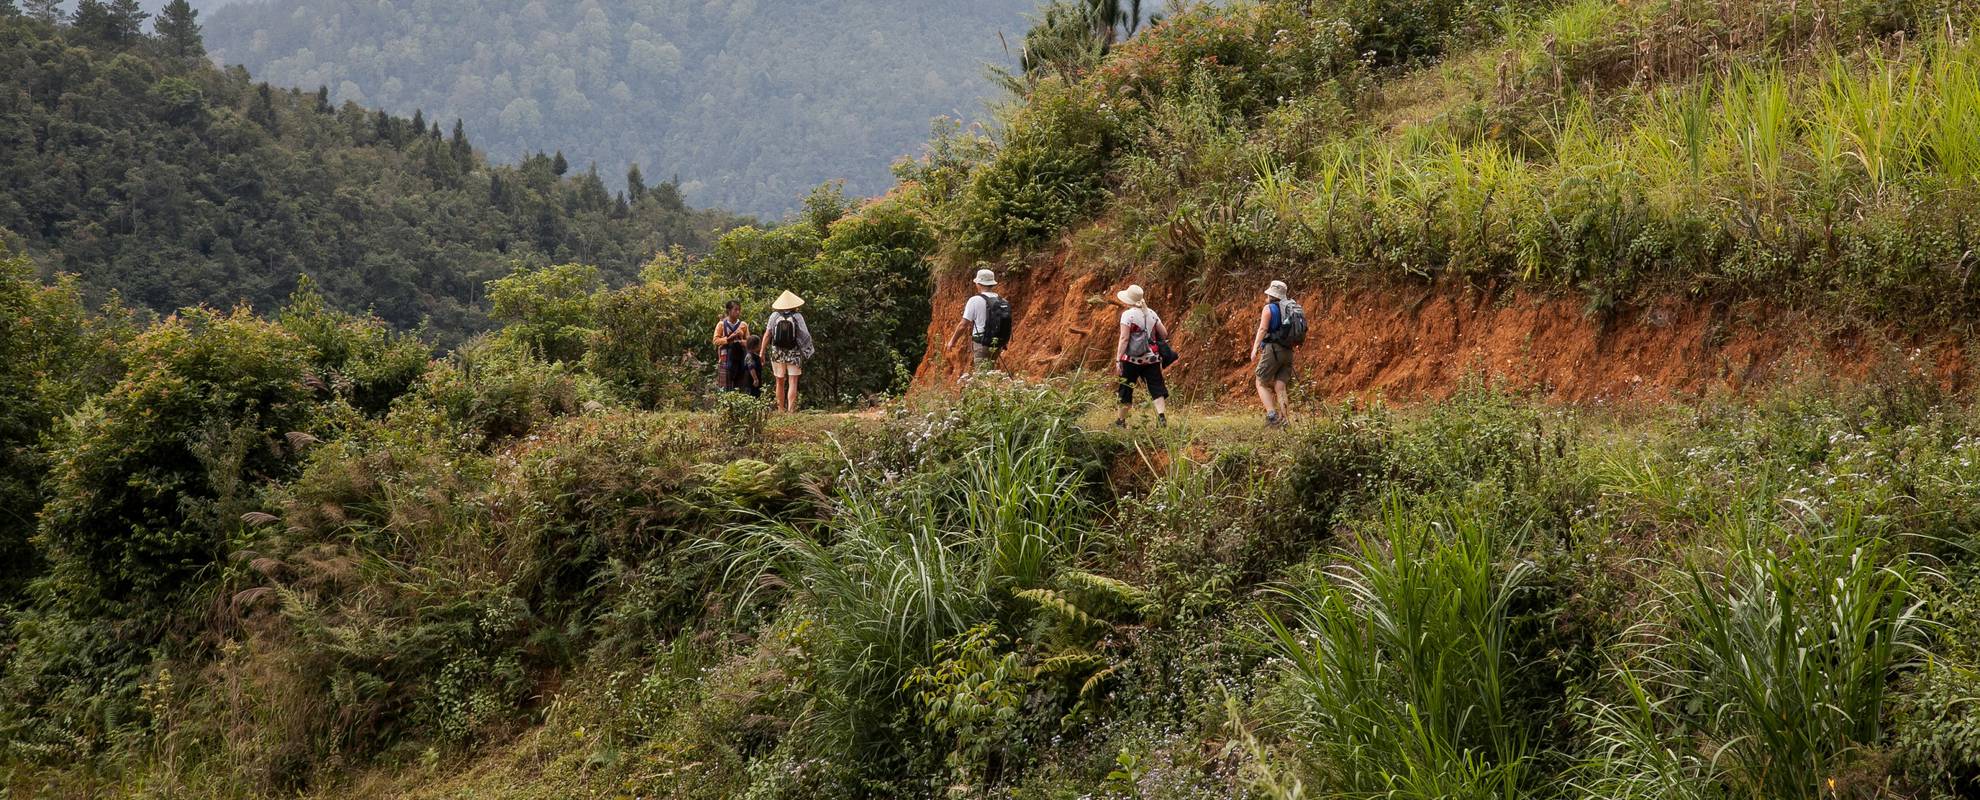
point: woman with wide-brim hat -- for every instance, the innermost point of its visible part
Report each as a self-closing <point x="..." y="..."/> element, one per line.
<point x="1137" y="356"/>
<point x="786" y="345"/>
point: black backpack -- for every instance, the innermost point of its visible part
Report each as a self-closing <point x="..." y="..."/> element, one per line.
<point x="996" y="322"/>
<point x="784" y="334"/>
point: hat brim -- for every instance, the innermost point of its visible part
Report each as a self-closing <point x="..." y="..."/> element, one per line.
<point x="1122" y="296"/>
<point x="982" y="282"/>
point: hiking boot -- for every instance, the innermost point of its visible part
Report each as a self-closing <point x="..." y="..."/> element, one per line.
<point x="1272" y="419"/>
<point x="1161" y="420"/>
<point x="1120" y="423"/>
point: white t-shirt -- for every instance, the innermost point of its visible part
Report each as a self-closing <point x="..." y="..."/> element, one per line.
<point x="977" y="310"/>
<point x="1146" y="318"/>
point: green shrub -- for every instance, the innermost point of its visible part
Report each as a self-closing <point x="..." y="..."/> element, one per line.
<point x="742" y="417"/>
<point x="495" y="390"/>
<point x="652" y="336"/>
<point x="53" y="354"/>
<point x="550" y="311"/>
<point x="358" y="359"/>
<point x="892" y="573"/>
<point x="1783" y="656"/>
<point x="149" y="480"/>
<point x="1047" y="174"/>
<point x="1403" y="664"/>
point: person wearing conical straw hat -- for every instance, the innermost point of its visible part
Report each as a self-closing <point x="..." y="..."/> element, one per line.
<point x="1136" y="354"/>
<point x="786" y="345"/>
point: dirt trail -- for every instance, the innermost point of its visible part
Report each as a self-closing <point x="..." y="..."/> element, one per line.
<point x="1419" y="341"/>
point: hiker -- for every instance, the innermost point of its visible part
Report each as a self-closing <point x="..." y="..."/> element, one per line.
<point x="786" y="344"/>
<point x="753" y="366"/>
<point x="1281" y="327"/>
<point x="1138" y="354"/>
<point x="731" y="343"/>
<point x="987" y="317"/>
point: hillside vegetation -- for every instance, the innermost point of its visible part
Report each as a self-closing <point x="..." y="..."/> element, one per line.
<point x="300" y="554"/>
<point x="750" y="103"/>
<point x="130" y="162"/>
<point x="1811" y="152"/>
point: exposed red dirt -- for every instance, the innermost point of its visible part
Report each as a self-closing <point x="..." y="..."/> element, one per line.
<point x="1414" y="342"/>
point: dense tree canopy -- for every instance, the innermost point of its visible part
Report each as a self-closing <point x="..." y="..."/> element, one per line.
<point x="751" y="103"/>
<point x="173" y="183"/>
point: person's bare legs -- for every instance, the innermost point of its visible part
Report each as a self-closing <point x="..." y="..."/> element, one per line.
<point x="793" y="407"/>
<point x="1265" y="395"/>
<point x="1161" y="405"/>
<point x="1285" y="408"/>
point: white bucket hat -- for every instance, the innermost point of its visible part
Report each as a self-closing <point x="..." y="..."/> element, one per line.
<point x="986" y="277"/>
<point x="1133" y="296"/>
<point x="787" y="302"/>
<point x="1277" y="290"/>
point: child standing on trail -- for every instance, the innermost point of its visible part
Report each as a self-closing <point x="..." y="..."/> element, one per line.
<point x="1137" y="354"/>
<point x="987" y="317"/>
<point x="753" y="366"/>
<point x="1281" y="327"/>
<point x="786" y="345"/>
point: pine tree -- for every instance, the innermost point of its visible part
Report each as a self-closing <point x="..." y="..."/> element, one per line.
<point x="462" y="151"/>
<point x="559" y="166"/>
<point x="178" y="29"/>
<point x="419" y="120"/>
<point x="118" y="22"/>
<point x="8" y="9"/>
<point x="44" y="10"/>
<point x="635" y="184"/>
<point x="261" y="109"/>
<point x="323" y="100"/>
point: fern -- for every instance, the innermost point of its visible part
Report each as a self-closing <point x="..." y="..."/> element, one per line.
<point x="1118" y="592"/>
<point x="1072" y="662"/>
<point x="1056" y="604"/>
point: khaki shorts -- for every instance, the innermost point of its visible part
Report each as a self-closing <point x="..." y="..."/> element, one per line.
<point x="1275" y="364"/>
<point x="985" y="356"/>
<point x="786" y="369"/>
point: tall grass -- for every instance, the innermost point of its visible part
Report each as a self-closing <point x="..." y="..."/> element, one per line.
<point x="1778" y="661"/>
<point x="1400" y="665"/>
<point x="890" y="574"/>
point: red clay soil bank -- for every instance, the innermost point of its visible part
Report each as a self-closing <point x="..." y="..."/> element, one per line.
<point x="1415" y="342"/>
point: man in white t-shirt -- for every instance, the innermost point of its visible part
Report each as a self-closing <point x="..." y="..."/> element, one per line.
<point x="977" y="318"/>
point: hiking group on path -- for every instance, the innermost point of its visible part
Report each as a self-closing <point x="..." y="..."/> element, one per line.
<point x="784" y="345"/>
<point x="1141" y="345"/>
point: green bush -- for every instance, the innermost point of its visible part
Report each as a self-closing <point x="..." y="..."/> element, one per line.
<point x="358" y="359"/>
<point x="1403" y="664"/>
<point x="1782" y="652"/>
<point x="53" y="355"/>
<point x="496" y="390"/>
<point x="1048" y="173"/>
<point x="651" y="348"/>
<point x="550" y="311"/>
<point x="149" y="479"/>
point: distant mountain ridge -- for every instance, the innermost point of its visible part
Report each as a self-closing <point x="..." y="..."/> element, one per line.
<point x="751" y="103"/>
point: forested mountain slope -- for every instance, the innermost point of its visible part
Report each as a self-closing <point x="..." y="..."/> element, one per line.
<point x="750" y="102"/>
<point x="127" y="159"/>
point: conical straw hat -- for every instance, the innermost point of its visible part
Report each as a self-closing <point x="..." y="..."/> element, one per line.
<point x="787" y="302"/>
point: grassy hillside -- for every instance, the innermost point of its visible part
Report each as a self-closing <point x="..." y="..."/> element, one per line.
<point x="1818" y="153"/>
<point x="130" y="162"/>
<point x="299" y="555"/>
<point x="749" y="103"/>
